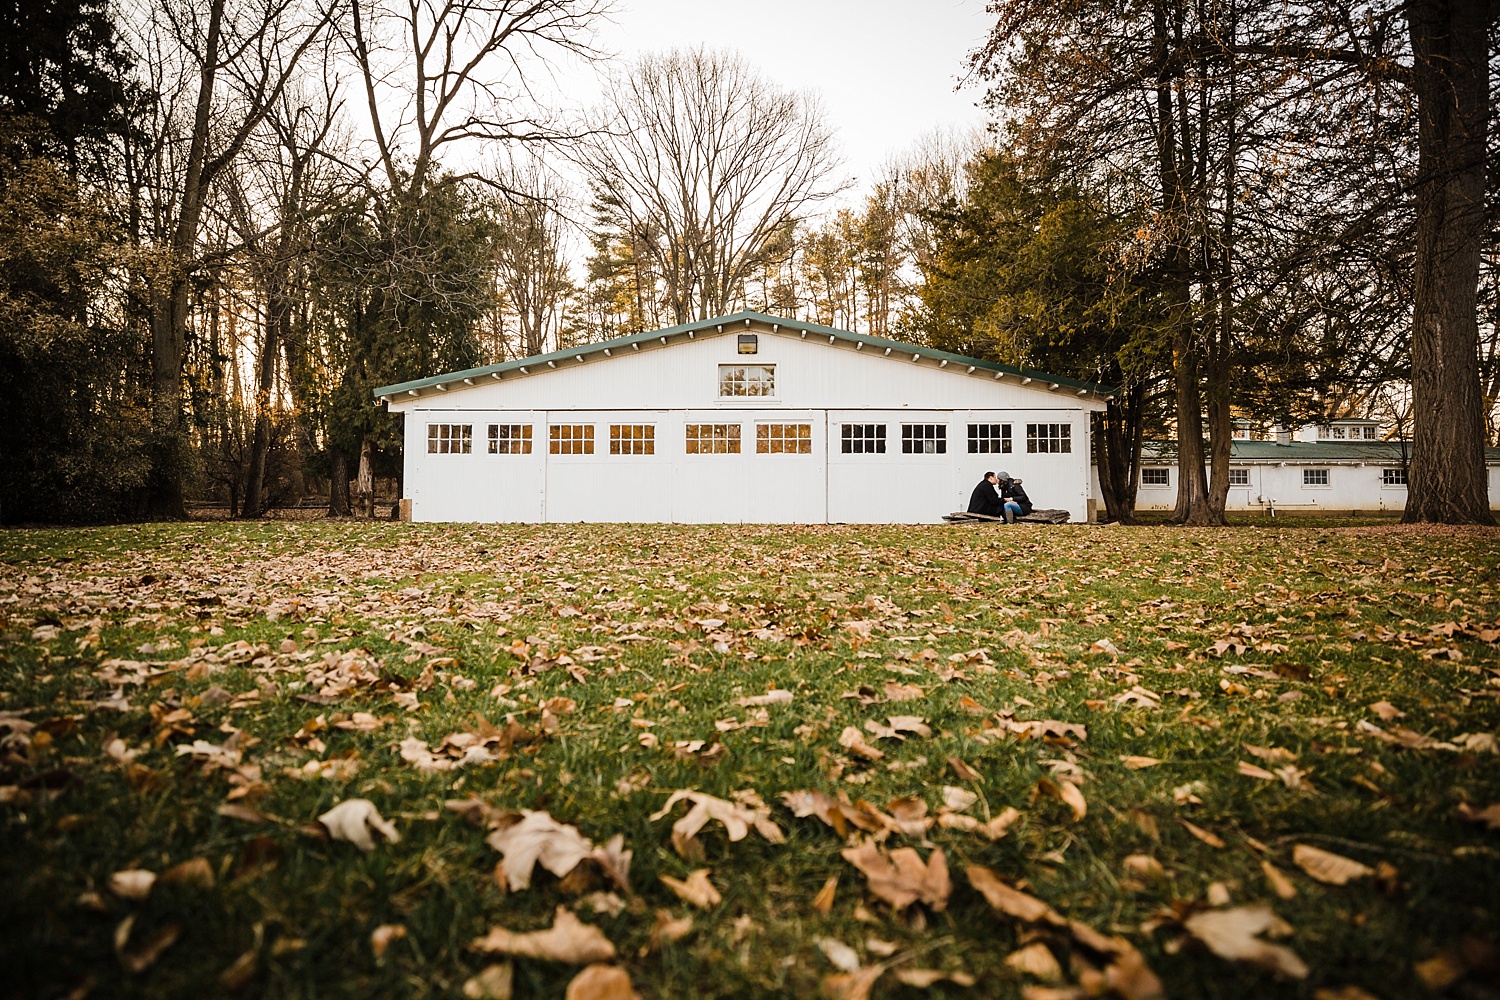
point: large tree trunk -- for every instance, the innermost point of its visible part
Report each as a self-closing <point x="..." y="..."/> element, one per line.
<point x="1451" y="80"/>
<point x="1117" y="450"/>
<point x="338" y="483"/>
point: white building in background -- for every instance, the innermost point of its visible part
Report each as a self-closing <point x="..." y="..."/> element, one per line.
<point x="744" y="418"/>
<point x="1341" y="466"/>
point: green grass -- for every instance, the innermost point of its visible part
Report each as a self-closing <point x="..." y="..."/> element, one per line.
<point x="1343" y="617"/>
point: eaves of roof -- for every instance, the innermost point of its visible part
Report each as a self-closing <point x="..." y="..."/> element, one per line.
<point x="1303" y="451"/>
<point x="548" y="362"/>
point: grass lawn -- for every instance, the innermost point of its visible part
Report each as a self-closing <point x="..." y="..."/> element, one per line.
<point x="1151" y="732"/>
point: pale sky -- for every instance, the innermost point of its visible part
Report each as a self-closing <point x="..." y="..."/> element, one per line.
<point x="886" y="69"/>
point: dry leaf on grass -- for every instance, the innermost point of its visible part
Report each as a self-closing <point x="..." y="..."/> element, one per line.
<point x="195" y="872"/>
<point x="1211" y="839"/>
<point x="133" y="884"/>
<point x="695" y="889"/>
<point x="775" y="697"/>
<point x="996" y="828"/>
<point x="1067" y="793"/>
<point x="1489" y="815"/>
<point x="1036" y="960"/>
<point x="1010" y="901"/>
<point x="1325" y="866"/>
<point x="902" y="878"/>
<point x="843" y="957"/>
<point x="538" y="839"/>
<point x="1250" y="770"/>
<point x="668" y="929"/>
<point x="494" y="983"/>
<point x="354" y="819"/>
<point x="737" y="819"/>
<point x="923" y="978"/>
<point x="139" y="958"/>
<point x="1387" y="711"/>
<point x="852" y="985"/>
<point x="823" y="901"/>
<point x="567" y="940"/>
<point x="1280" y="884"/>
<point x="853" y="740"/>
<point x="1232" y="934"/>
<point x="958" y="799"/>
<point x="601" y="982"/>
<point x="382" y="937"/>
<point x="896" y="691"/>
<point x="1144" y="866"/>
<point x="897" y="725"/>
<point x="1136" y="763"/>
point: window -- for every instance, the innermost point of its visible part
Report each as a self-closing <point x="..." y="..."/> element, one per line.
<point x="510" y="439"/>
<point x="783" y="439"/>
<point x="747" y="380"/>
<point x="989" y="439"/>
<point x="450" y="439"/>
<point x="1239" y="477"/>
<point x="1339" y="434"/>
<point x="713" y="439"/>
<point x="572" y="439"/>
<point x="863" y="439"/>
<point x="1392" y="477"/>
<point x="1371" y="433"/>
<point x="632" y="439"/>
<point x="924" y="439"/>
<point x="1052" y="438"/>
<point x="1156" y="477"/>
<point x="1314" y="477"/>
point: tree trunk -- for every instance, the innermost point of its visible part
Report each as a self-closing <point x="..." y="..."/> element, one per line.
<point x="1117" y="449"/>
<point x="265" y="384"/>
<point x="1451" y="81"/>
<point x="338" y="483"/>
<point x="364" y="486"/>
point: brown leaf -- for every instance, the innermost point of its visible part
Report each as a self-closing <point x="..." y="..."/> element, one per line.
<point x="1009" y="901"/>
<point x="382" y="937"/>
<point x="852" y="985"/>
<point x="775" y="697"/>
<point x="1211" y="839"/>
<point x="1144" y="866"/>
<point x="1232" y="934"/>
<point x="823" y="901"/>
<point x="354" y="819"/>
<point x="695" y="889"/>
<point x="1067" y="793"/>
<point x="538" y="839"/>
<point x="1280" y="884"/>
<point x="923" y="978"/>
<point x="133" y="884"/>
<point x="1136" y="763"/>
<point x="1387" y="711"/>
<point x="196" y="872"/>
<point x="601" y="982"/>
<point x="493" y="983"/>
<point x="1325" y="866"/>
<point x="853" y="740"/>
<point x="1489" y="815"/>
<point x="996" y="828"/>
<point x="667" y="930"/>
<point x="567" y="940"/>
<point x="138" y="959"/>
<point x="736" y="818"/>
<point x="962" y="771"/>
<point x="1036" y="960"/>
<point x="1251" y="771"/>
<point x="896" y="691"/>
<point x="901" y="878"/>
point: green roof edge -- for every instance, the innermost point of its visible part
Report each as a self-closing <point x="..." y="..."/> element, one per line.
<point x="739" y="317"/>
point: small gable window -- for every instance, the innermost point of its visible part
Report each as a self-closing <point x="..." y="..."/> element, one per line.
<point x="747" y="380"/>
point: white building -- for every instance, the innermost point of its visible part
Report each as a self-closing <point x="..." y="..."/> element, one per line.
<point x="744" y="418"/>
<point x="1341" y="466"/>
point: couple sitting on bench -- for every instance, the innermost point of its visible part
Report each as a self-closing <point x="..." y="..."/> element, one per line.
<point x="998" y="495"/>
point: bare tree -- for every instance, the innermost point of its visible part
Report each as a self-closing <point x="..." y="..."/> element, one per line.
<point x="699" y="160"/>
<point x="530" y="246"/>
<point x="231" y="61"/>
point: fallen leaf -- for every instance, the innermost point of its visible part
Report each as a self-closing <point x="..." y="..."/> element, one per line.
<point x="195" y="872"/>
<point x="567" y="940"/>
<point x="1104" y="646"/>
<point x="843" y="957"/>
<point x="902" y="878"/>
<point x="852" y="985"/>
<point x="853" y="740"/>
<point x="1251" y="771"/>
<point x="1211" y="839"/>
<point x="493" y="983"/>
<point x="898" y="724"/>
<point x="1036" y="960"/>
<point x="896" y="691"/>
<point x="382" y="937"/>
<point x="958" y="799"/>
<point x="1136" y="763"/>
<point x="823" y="901"/>
<point x="133" y="884"/>
<point x="1067" y="793"/>
<point x="1011" y="901"/>
<point x="1343" y="993"/>
<point x="963" y="771"/>
<point x="538" y="839"/>
<point x="996" y="828"/>
<point x="1144" y="866"/>
<point x="1489" y="815"/>
<point x="1387" y="711"/>
<point x="353" y="819"/>
<point x="1280" y="884"/>
<point x="601" y="982"/>
<point x="1325" y="866"/>
<point x="1232" y="934"/>
<point x="667" y="929"/>
<point x="138" y="959"/>
<point x="737" y="819"/>
<point x="775" y="697"/>
<point x="695" y="889"/>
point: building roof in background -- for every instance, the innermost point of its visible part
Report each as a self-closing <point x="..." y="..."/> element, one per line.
<point x="1305" y="452"/>
<point x="548" y="362"/>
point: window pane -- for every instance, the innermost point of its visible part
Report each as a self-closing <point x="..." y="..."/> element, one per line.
<point x="712" y="439"/>
<point x="747" y="380"/>
<point x="571" y="439"/>
<point x="450" y="439"/>
<point x="924" y="439"/>
<point x="989" y="439"/>
<point x="1239" y="477"/>
<point x="632" y="439"/>
<point x="863" y="439"/>
<point x="1156" y="477"/>
<point x="510" y="439"/>
<point x="783" y="439"/>
<point x="1049" y="438"/>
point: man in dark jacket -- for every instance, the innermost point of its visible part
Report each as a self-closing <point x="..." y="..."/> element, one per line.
<point x="986" y="497"/>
